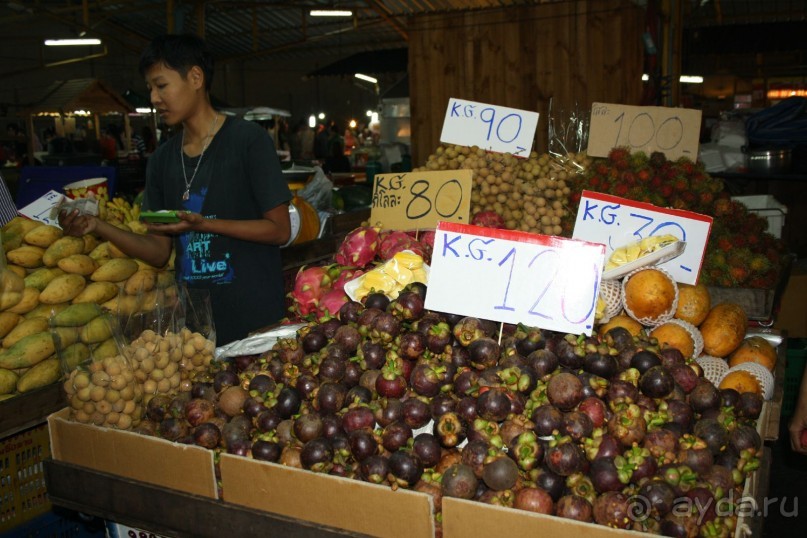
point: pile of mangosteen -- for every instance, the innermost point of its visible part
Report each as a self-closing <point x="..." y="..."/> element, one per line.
<point x="606" y="429"/>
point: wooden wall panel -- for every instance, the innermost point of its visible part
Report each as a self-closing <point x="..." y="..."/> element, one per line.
<point x="574" y="52"/>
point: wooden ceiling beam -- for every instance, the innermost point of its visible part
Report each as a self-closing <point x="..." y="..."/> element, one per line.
<point x="379" y="8"/>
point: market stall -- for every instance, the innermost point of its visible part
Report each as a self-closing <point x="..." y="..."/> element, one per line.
<point x="598" y="350"/>
<point x="421" y="399"/>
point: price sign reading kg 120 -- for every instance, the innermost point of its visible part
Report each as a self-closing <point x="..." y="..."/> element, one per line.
<point x="515" y="277"/>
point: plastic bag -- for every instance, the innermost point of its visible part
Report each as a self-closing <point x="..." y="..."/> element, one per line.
<point x="172" y="340"/>
<point x="567" y="130"/>
<point x="12" y="285"/>
<point x="101" y="386"/>
<point x="318" y="191"/>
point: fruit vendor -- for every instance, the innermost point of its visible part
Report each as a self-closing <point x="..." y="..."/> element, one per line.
<point x="223" y="176"/>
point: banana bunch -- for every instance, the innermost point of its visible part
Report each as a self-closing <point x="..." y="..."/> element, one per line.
<point x="118" y="211"/>
<point x="634" y="251"/>
<point x="390" y="278"/>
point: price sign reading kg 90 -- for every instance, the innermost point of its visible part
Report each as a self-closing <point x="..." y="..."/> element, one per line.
<point x="491" y="127"/>
<point x="515" y="277"/>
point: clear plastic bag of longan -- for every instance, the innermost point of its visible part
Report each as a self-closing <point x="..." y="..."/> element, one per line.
<point x="100" y="382"/>
<point x="193" y="322"/>
<point x="166" y="353"/>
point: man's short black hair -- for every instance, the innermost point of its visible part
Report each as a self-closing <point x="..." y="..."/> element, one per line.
<point x="180" y="53"/>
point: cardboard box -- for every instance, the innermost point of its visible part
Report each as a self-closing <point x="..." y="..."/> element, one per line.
<point x="792" y="316"/>
<point x="344" y="503"/>
<point x="131" y="455"/>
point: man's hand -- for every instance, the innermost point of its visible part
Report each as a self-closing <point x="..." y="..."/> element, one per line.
<point x="73" y="223"/>
<point x="187" y="222"/>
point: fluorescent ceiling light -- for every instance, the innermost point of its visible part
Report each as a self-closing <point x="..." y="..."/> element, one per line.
<point x="691" y="79"/>
<point x="366" y="77"/>
<point x="685" y="79"/>
<point x="330" y="13"/>
<point x="71" y="42"/>
<point x="143" y="110"/>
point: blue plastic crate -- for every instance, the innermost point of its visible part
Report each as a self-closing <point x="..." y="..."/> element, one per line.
<point x="57" y="524"/>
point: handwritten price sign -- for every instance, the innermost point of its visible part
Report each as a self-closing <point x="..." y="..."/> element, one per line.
<point x="615" y="221"/>
<point x="40" y="208"/>
<point x="673" y="131"/>
<point x="421" y="199"/>
<point x="515" y="277"/>
<point x="491" y="127"/>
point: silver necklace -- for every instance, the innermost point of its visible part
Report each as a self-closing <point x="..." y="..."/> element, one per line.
<point x="208" y="138"/>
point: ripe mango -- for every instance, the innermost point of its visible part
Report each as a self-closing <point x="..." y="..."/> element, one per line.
<point x="62" y="289"/>
<point x="41" y="277"/>
<point x="29" y="301"/>
<point x="43" y="236"/>
<point x="76" y="315"/>
<point x="97" y="292"/>
<point x="44" y="373"/>
<point x="8" y="381"/>
<point x="25" y="328"/>
<point x="79" y="264"/>
<point x="8" y="320"/>
<point x="115" y="270"/>
<point x="29" y="351"/>
<point x="27" y="256"/>
<point x="62" y="248"/>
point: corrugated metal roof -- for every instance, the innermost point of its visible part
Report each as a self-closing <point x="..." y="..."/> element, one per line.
<point x="243" y="29"/>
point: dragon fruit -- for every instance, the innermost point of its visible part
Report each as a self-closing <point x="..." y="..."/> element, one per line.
<point x="331" y="302"/>
<point x="309" y="285"/>
<point x="396" y="241"/>
<point x="427" y="241"/>
<point x="346" y="275"/>
<point x="488" y="219"/>
<point x="359" y="247"/>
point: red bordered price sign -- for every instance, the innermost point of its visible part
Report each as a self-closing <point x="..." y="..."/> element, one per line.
<point x="515" y="277"/>
<point x="616" y="221"/>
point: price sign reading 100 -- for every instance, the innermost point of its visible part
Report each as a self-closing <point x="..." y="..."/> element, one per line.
<point x="515" y="277"/>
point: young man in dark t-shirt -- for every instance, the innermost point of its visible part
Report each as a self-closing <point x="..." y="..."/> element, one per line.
<point x="224" y="176"/>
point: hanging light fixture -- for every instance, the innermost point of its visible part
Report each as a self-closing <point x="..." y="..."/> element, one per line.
<point x="330" y="13"/>
<point x="72" y="42"/>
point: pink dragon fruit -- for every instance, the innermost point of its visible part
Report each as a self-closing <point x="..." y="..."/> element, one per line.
<point x="346" y="275"/>
<point x="309" y="285"/>
<point x="331" y="302"/>
<point x="488" y="219"/>
<point x="427" y="241"/>
<point x="359" y="247"/>
<point x="396" y="241"/>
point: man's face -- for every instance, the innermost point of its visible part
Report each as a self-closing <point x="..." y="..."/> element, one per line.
<point x="171" y="94"/>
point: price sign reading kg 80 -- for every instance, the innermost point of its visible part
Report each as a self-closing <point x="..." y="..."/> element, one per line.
<point x="491" y="127"/>
<point x="421" y="199"/>
<point x="515" y="277"/>
<point x="672" y="131"/>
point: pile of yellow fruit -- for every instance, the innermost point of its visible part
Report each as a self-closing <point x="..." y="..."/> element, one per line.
<point x="47" y="272"/>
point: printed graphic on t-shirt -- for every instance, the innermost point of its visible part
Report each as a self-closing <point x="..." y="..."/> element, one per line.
<point x="201" y="256"/>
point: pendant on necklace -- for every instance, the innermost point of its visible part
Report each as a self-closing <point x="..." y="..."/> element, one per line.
<point x="186" y="195"/>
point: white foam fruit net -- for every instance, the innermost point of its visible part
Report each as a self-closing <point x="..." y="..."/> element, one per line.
<point x="713" y="368"/>
<point x="648" y="321"/>
<point x="694" y="332"/>
<point x="762" y="374"/>
<point x="611" y="293"/>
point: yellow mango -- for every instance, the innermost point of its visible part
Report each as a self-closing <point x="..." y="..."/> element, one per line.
<point x="27" y="256"/>
<point x="62" y="289"/>
<point x="43" y="236"/>
<point x="28" y="301"/>
<point x="79" y="264"/>
<point x="62" y="248"/>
